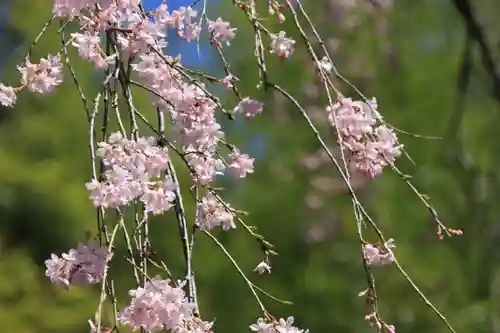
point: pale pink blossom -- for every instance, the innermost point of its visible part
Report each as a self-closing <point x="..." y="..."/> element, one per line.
<point x="42" y="77"/>
<point x="161" y="306"/>
<point x="134" y="171"/>
<point x="211" y="213"/>
<point x="370" y="145"/>
<point x="325" y="65"/>
<point x="282" y="45"/>
<point x="88" y="45"/>
<point x="83" y="266"/>
<point x="228" y="80"/>
<point x="221" y="31"/>
<point x="379" y="256"/>
<point x="70" y="8"/>
<point x="281" y="326"/>
<point x="249" y="107"/>
<point x="206" y="168"/>
<point x="240" y="164"/>
<point x="7" y="95"/>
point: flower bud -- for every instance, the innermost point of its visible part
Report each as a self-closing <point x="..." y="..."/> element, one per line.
<point x="281" y="18"/>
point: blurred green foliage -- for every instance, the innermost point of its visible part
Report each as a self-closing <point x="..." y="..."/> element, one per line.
<point x="44" y="207"/>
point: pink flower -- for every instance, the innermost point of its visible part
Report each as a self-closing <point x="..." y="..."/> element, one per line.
<point x="282" y="45"/>
<point x="249" y="107"/>
<point x="281" y="326"/>
<point x="240" y="165"/>
<point x="228" y="80"/>
<point x="42" y="77"/>
<point x="88" y="45"/>
<point x="376" y="256"/>
<point x="7" y="95"/>
<point x="83" y="266"/>
<point x="159" y="306"/>
<point x="370" y="144"/>
<point x="134" y="171"/>
<point x="211" y="213"/>
<point x="70" y="8"/>
<point x="221" y="31"/>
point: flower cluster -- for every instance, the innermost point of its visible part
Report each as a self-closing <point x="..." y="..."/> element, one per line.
<point x="134" y="172"/>
<point x="83" y="266"/>
<point x="42" y="77"/>
<point x="369" y="142"/>
<point x="274" y="9"/>
<point x="221" y="31"/>
<point x="193" y="113"/>
<point x="88" y="46"/>
<point x="71" y="8"/>
<point x="379" y="256"/>
<point x="181" y="19"/>
<point x="283" y="326"/>
<point x="137" y="34"/>
<point x="211" y="213"/>
<point x="191" y="109"/>
<point x="160" y="306"/>
<point x="189" y="106"/>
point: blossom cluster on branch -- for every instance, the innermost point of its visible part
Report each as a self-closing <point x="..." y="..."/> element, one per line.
<point x="370" y="143"/>
<point x="276" y="326"/>
<point x="134" y="168"/>
<point x="160" y="306"/>
<point x="379" y="255"/>
<point x="79" y="267"/>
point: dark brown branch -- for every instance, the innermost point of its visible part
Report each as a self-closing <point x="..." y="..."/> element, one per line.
<point x="476" y="32"/>
<point x="463" y="81"/>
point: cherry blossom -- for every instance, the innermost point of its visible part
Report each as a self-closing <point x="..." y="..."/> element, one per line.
<point x="159" y="306"/>
<point x="249" y="107"/>
<point x="211" y="213"/>
<point x="44" y="76"/>
<point x="221" y="31"/>
<point x="7" y="95"/>
<point x="134" y="172"/>
<point x="83" y="266"/>
<point x="282" y="326"/>
<point x="370" y="144"/>
<point x="263" y="267"/>
<point x="379" y="256"/>
<point x="240" y="165"/>
<point x="282" y="45"/>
